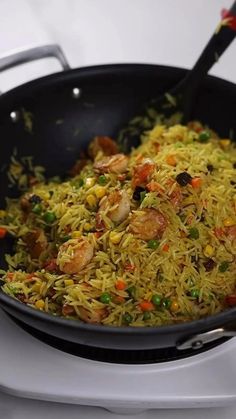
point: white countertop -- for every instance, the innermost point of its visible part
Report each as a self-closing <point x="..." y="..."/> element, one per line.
<point x="171" y="32"/>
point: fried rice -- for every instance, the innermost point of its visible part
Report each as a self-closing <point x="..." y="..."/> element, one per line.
<point x="144" y="239"/>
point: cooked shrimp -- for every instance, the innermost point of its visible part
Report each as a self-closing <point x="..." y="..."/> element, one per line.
<point x="117" y="205"/>
<point x="74" y="255"/>
<point x="231" y="232"/>
<point x="114" y="164"/>
<point x="142" y="172"/>
<point x="36" y="242"/>
<point x="176" y="197"/>
<point x="148" y="224"/>
<point x="104" y="144"/>
<point x="94" y="316"/>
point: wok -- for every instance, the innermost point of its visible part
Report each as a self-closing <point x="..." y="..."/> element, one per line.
<point x="68" y="109"/>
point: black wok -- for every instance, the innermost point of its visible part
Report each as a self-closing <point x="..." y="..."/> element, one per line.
<point x="64" y="121"/>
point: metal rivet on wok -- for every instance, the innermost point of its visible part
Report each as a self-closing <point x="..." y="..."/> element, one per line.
<point x="15" y="115"/>
<point x="76" y="92"/>
<point x="197" y="344"/>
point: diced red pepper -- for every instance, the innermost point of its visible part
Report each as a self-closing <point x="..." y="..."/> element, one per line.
<point x="51" y="265"/>
<point x="230" y="300"/>
<point x="3" y="232"/>
<point x="129" y="267"/>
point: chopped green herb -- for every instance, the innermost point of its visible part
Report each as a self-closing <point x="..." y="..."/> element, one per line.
<point x="224" y="266"/>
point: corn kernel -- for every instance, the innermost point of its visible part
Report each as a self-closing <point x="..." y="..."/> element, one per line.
<point x="68" y="282"/>
<point x="90" y="181"/>
<point x="87" y="227"/>
<point x="224" y="143"/>
<point x="91" y="200"/>
<point x="76" y="234"/>
<point x="39" y="304"/>
<point x="174" y="307"/>
<point x="208" y="251"/>
<point x="3" y="213"/>
<point x="36" y="287"/>
<point x="229" y="222"/>
<point x="100" y="191"/>
<point x="189" y="200"/>
<point x="115" y="237"/>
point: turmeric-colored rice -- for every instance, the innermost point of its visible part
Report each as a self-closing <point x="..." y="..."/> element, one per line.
<point x="141" y="240"/>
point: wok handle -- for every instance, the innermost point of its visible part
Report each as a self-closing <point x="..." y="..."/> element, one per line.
<point x="27" y="55"/>
<point x="199" y="340"/>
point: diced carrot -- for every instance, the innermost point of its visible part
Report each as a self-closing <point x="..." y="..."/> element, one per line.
<point x="3" y="232"/>
<point x="120" y="284"/>
<point x="30" y="277"/>
<point x="154" y="187"/>
<point x="218" y="232"/>
<point x="171" y="160"/>
<point x="196" y="182"/>
<point x="165" y="247"/>
<point x="10" y="276"/>
<point x="67" y="310"/>
<point x="146" y="305"/>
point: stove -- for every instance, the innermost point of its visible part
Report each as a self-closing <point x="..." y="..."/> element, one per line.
<point x="32" y="369"/>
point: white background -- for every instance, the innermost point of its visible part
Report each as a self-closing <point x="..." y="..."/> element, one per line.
<point x="169" y="32"/>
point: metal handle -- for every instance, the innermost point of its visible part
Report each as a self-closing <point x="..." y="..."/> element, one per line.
<point x="199" y="340"/>
<point x="24" y="56"/>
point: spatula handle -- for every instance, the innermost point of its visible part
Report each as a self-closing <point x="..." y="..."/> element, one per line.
<point x="220" y="40"/>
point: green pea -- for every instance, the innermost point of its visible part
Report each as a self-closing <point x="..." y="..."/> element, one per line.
<point x="193" y="233"/>
<point x="78" y="183"/>
<point x="204" y="136"/>
<point x="156" y="299"/>
<point x="127" y="318"/>
<point x="105" y="298"/>
<point x="131" y="291"/>
<point x="195" y="293"/>
<point x="166" y="303"/>
<point x="37" y="209"/>
<point x="102" y="180"/>
<point x="153" y="244"/>
<point x="65" y="238"/>
<point x="49" y="217"/>
<point x="146" y="315"/>
<point x="224" y="266"/>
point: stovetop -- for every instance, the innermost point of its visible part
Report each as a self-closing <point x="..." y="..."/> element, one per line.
<point x="32" y="369"/>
